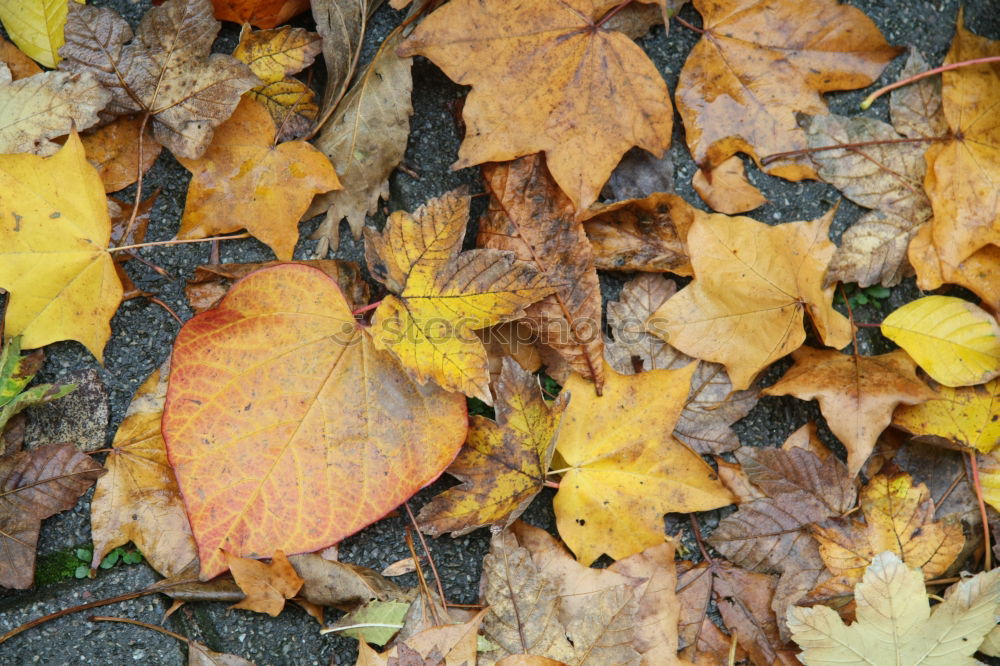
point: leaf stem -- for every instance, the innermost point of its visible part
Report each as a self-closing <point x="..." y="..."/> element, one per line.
<point x="988" y="563"/>
<point x="430" y="558"/>
<point x="126" y="620"/>
<point x="697" y="537"/>
<point x="607" y="17"/>
<point x="176" y="241"/>
<point x="550" y="484"/>
<point x="365" y="625"/>
<point x="370" y="306"/>
<point x="138" y="181"/>
<point x="689" y="26"/>
<point x="768" y="159"/>
<point x="923" y="75"/>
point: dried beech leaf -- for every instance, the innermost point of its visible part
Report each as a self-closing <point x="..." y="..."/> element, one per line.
<point x="531" y="217"/>
<point x="166" y="71"/>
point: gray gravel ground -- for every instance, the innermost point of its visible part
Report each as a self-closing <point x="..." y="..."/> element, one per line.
<point x="143" y="333"/>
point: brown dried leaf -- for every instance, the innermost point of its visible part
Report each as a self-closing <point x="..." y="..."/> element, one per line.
<point x="916" y="109"/>
<point x="726" y="188"/>
<point x="114" y="151"/>
<point x="442" y="645"/>
<point x="642" y="234"/>
<point x="266" y="586"/>
<point x="341" y="25"/>
<point x="639" y="175"/>
<point x="200" y="655"/>
<point x="531" y="217"/>
<point x="365" y="139"/>
<point x="979" y="272"/>
<point x="33" y="486"/>
<point x="744" y="601"/>
<point x="343" y="585"/>
<point x="20" y="65"/>
<point x="166" y="70"/>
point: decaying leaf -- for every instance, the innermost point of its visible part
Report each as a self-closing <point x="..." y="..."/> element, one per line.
<point x="857" y="394"/>
<point x="895" y="624"/>
<point x="259" y="13"/>
<point x="305" y="433"/>
<point x="53" y="257"/>
<point x="200" y="655"/>
<point x="753" y="69"/>
<point x="36" y="26"/>
<point x="114" y="151"/>
<point x="642" y="234"/>
<point x="954" y="341"/>
<point x="21" y="66"/>
<point x="266" y="586"/>
<point x="365" y="139"/>
<point x="16" y="372"/>
<point x="712" y="405"/>
<point x="138" y="499"/>
<point x="640" y="174"/>
<point x="444" y="294"/>
<point x="44" y="106"/>
<point x="968" y="416"/>
<point x="887" y="177"/>
<point x="274" y="55"/>
<point x="243" y="180"/>
<point x="624" y="474"/>
<point x="166" y="71"/>
<point x="548" y="77"/>
<point x="34" y="485"/>
<point x="726" y="188"/>
<point x="343" y="585"/>
<point x="444" y="644"/>
<point x="341" y="24"/>
<point x="503" y="464"/>
<point x="753" y="284"/>
<point x="899" y="517"/>
<point x="532" y="218"/>
<point x="962" y="173"/>
<point x="211" y="282"/>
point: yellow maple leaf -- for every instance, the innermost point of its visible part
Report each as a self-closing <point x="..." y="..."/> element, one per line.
<point x="53" y="249"/>
<point x="624" y="468"/>
<point x="444" y="294"/>
<point x="956" y="342"/>
<point x="548" y="76"/>
<point x="752" y="285"/>
<point x="244" y="181"/>
<point x="969" y="416"/>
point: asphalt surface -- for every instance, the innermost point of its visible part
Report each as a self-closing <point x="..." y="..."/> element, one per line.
<point x="143" y="334"/>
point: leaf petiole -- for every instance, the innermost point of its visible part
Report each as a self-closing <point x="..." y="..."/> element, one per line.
<point x="923" y="75"/>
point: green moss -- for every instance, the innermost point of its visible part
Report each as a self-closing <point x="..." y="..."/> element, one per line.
<point x="57" y="566"/>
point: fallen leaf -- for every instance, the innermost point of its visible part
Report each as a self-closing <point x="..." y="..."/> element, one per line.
<point x="53" y="257"/>
<point x="211" y="282"/>
<point x="114" y="151"/>
<point x="33" y="486"/>
<point x="726" y="189"/>
<point x="303" y="387"/>
<point x="365" y="139"/>
<point x="899" y="517"/>
<point x="530" y="217"/>
<point x="343" y="585"/>
<point x="701" y="642"/>
<point x="36" y="26"/>
<point x="266" y="586"/>
<point x="968" y="416"/>
<point x="962" y="172"/>
<point x="376" y="622"/>
<point x="916" y="109"/>
<point x="259" y="13"/>
<point x="166" y="71"/>
<point x="342" y="24"/>
<point x="243" y="180"/>
<point x="857" y="394"/>
<point x="954" y="341"/>
<point x="81" y="417"/>
<point x="21" y="66"/>
<point x="444" y="294"/>
<point x="751" y="71"/>
<point x="273" y="55"/>
<point x="441" y="645"/>
<point x="979" y="272"/>
<point x="753" y="283"/>
<point x="200" y="655"/>
<point x="503" y="464"/>
<point x="895" y="624"/>
<point x="640" y="174"/>
<point x="712" y="406"/>
<point x="642" y="235"/>
<point x="16" y="372"/>
<point x="603" y="97"/>
<point x="624" y="474"/>
<point x="44" y="106"/>
<point x="138" y="499"/>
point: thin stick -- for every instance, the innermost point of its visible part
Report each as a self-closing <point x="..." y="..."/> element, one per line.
<point x="370" y="306"/>
<point x="697" y="537"/>
<point x="982" y="509"/>
<point x="923" y="75"/>
<point x="126" y="620"/>
<point x="425" y="591"/>
<point x="767" y="159"/>
<point x="430" y="558"/>
<point x="74" y="609"/>
<point x="138" y="181"/>
<point x="177" y="242"/>
<point x="550" y="484"/>
<point x="954" y="484"/>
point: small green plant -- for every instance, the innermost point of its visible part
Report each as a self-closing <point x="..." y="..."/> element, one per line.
<point x="110" y="560"/>
<point x="862" y="295"/>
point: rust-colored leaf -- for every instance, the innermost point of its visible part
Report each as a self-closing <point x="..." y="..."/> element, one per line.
<point x="726" y="188"/>
<point x="114" y="151"/>
<point x="753" y="69"/>
<point x="529" y="216"/>
<point x="642" y="234"/>
<point x="603" y="97"/>
<point x="259" y="13"/>
<point x="266" y="586"/>
<point x="305" y="433"/>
